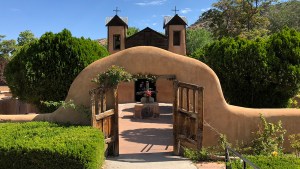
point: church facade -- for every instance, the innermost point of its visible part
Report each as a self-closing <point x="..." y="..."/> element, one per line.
<point x="174" y="39"/>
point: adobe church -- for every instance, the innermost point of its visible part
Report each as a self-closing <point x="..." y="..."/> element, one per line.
<point x="174" y="41"/>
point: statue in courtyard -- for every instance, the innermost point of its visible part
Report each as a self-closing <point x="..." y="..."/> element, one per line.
<point x="147" y="92"/>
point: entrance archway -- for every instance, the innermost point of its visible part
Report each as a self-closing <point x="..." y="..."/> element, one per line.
<point x="187" y="117"/>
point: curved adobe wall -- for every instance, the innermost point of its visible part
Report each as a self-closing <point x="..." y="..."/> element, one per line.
<point x="236" y="122"/>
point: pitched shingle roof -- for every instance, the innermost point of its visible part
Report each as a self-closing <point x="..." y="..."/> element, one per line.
<point x="167" y="19"/>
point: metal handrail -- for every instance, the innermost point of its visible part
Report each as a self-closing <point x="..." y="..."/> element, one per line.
<point x="245" y="161"/>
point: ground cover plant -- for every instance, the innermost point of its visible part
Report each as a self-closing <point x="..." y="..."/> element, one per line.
<point x="264" y="151"/>
<point x="270" y="162"/>
<point x="43" y="145"/>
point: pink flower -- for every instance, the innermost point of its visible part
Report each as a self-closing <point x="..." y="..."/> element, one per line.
<point x="148" y="93"/>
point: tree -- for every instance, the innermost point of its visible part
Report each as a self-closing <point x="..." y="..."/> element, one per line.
<point x="284" y="14"/>
<point x="7" y="47"/>
<point x="237" y="17"/>
<point x="44" y="69"/>
<point x="25" y="37"/>
<point x="257" y="73"/>
<point x="132" y="30"/>
<point x="197" y="39"/>
<point x="3" y="63"/>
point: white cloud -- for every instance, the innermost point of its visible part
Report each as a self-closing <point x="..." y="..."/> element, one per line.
<point x="153" y="2"/>
<point x="205" y="9"/>
<point x="186" y="10"/>
<point x="154" y="24"/>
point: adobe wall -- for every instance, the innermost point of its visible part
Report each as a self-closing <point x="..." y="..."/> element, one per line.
<point x="237" y="123"/>
<point x="15" y="106"/>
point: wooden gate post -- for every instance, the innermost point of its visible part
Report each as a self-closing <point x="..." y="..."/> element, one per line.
<point x="176" y="144"/>
<point x="93" y="109"/>
<point x="116" y="124"/>
<point x="200" y="118"/>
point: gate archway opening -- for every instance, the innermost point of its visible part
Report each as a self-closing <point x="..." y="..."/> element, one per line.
<point x="187" y="119"/>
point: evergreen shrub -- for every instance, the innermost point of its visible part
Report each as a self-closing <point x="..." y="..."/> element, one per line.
<point x="44" y="69"/>
<point x="43" y="145"/>
<point x="257" y="73"/>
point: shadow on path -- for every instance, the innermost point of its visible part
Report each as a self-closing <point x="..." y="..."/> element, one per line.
<point x="149" y="161"/>
<point x="156" y="136"/>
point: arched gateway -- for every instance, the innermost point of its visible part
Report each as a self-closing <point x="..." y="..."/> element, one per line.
<point x="237" y="123"/>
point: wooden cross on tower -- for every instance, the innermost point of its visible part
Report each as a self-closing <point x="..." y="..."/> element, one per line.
<point x="175" y="10"/>
<point x="117" y="10"/>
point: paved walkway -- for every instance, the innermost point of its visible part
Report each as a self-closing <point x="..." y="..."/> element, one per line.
<point x="147" y="143"/>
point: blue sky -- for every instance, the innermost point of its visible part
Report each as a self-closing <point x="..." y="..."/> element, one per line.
<point x="87" y="17"/>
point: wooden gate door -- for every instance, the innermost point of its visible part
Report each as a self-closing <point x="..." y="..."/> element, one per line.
<point x="105" y="117"/>
<point x="187" y="117"/>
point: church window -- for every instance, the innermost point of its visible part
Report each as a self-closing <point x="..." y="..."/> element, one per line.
<point x="117" y="42"/>
<point x="176" y="38"/>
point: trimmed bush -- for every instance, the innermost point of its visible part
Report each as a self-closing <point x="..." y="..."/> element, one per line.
<point x="45" y="69"/>
<point x="270" y="162"/>
<point x="43" y="145"/>
<point x="261" y="73"/>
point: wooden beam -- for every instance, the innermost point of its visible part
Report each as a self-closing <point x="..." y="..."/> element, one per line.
<point x="176" y="145"/>
<point x="190" y="114"/>
<point x="188" y="143"/>
<point x="115" y="126"/>
<point x="93" y="108"/>
<point x="109" y="140"/>
<point x="200" y="118"/>
<point x="180" y="97"/>
<point x="187" y="85"/>
<point x="187" y="99"/>
<point x="194" y="100"/>
<point x="105" y="114"/>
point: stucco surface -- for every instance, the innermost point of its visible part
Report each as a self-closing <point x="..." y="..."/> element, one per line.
<point x="237" y="123"/>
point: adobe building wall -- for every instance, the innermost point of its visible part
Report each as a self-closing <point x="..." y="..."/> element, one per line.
<point x="238" y="123"/>
<point x="15" y="106"/>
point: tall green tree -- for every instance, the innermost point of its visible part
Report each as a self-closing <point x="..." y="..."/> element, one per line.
<point x="237" y="17"/>
<point x="284" y="14"/>
<point x="7" y="47"/>
<point x="132" y="30"/>
<point x="25" y="37"/>
<point x="196" y="39"/>
<point x="44" y="69"/>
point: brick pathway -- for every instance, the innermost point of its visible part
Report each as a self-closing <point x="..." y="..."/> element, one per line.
<point x="147" y="143"/>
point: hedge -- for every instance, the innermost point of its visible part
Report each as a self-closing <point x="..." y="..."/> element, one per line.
<point x="271" y="162"/>
<point x="257" y="73"/>
<point x="43" y="145"/>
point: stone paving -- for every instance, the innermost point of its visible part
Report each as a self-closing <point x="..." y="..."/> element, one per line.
<point x="147" y="143"/>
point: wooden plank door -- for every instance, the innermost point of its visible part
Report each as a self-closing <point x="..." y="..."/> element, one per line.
<point x="188" y="113"/>
<point x="105" y="117"/>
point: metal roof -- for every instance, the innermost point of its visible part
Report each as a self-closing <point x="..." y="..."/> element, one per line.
<point x="167" y="19"/>
<point x="108" y="19"/>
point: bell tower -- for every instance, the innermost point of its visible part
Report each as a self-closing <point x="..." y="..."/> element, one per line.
<point x="116" y="33"/>
<point x="175" y="28"/>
